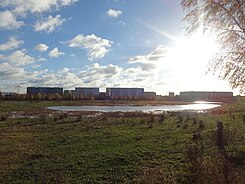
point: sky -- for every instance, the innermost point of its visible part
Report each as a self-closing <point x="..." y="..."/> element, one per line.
<point x="102" y="43"/>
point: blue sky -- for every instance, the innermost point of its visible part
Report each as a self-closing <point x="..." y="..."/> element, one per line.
<point x="101" y="43"/>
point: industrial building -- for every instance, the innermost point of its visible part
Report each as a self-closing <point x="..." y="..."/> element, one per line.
<point x="149" y="95"/>
<point x="122" y="93"/>
<point x="44" y="90"/>
<point x="86" y="92"/>
<point x="171" y="94"/>
<point x="93" y="92"/>
<point x="206" y="96"/>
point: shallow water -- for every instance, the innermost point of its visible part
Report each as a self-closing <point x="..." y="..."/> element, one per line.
<point x="129" y="108"/>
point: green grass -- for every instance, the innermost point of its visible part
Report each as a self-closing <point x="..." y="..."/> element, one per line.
<point x="116" y="148"/>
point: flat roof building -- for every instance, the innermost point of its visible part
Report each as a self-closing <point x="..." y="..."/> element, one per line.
<point x="171" y="94"/>
<point x="206" y="95"/>
<point x="44" y="90"/>
<point x="87" y="91"/>
<point x="150" y="95"/>
<point x="125" y="92"/>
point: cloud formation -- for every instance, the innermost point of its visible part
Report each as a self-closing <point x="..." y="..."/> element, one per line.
<point x="151" y="61"/>
<point x="97" y="47"/>
<point x="113" y="13"/>
<point x="63" y="77"/>
<point x="49" y="24"/>
<point x="21" y="7"/>
<point x="93" y="75"/>
<point x="9" y="72"/>
<point x="41" y="47"/>
<point x="8" y="21"/>
<point x="56" y="53"/>
<point x="14" y="78"/>
<point x="17" y="58"/>
<point x="11" y="44"/>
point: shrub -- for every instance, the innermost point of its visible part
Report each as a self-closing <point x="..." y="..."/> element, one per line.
<point x="201" y="124"/>
<point x="4" y="118"/>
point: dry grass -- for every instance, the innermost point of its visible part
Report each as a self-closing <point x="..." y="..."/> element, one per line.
<point x="18" y="143"/>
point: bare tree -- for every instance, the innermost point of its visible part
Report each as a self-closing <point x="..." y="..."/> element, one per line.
<point x="226" y="20"/>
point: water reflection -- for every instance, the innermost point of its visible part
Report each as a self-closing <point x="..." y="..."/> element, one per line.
<point x="191" y="107"/>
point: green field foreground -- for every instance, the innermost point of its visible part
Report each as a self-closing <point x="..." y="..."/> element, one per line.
<point x="42" y="146"/>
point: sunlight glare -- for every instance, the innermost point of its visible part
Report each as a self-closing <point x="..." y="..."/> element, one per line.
<point x="187" y="61"/>
<point x="190" y="56"/>
<point x="196" y="50"/>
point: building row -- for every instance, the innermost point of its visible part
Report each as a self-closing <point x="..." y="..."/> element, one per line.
<point x="206" y="96"/>
<point x="116" y="93"/>
<point x="85" y="92"/>
<point x="44" y="90"/>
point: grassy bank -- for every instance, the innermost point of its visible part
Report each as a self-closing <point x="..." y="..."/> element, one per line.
<point x="175" y="147"/>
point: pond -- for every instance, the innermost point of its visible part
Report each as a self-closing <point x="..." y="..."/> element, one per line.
<point x="198" y="106"/>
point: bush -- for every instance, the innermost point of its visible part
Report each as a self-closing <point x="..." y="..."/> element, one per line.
<point x="201" y="125"/>
<point x="3" y="118"/>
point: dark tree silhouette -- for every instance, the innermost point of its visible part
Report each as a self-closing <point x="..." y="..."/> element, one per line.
<point x="226" y="19"/>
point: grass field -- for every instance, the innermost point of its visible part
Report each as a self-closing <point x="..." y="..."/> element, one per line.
<point x="51" y="147"/>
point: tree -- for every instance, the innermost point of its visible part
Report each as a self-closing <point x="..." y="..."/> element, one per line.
<point x="81" y="96"/>
<point x="226" y="20"/>
<point x="92" y="97"/>
<point x="38" y="96"/>
<point x="57" y="96"/>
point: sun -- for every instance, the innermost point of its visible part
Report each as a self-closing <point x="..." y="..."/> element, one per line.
<point x="190" y="56"/>
<point x="187" y="62"/>
<point x="195" y="51"/>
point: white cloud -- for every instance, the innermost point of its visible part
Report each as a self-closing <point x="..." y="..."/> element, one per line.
<point x="114" y="76"/>
<point x="41" y="47"/>
<point x="64" y="77"/>
<point x="72" y="55"/>
<point x="97" y="47"/>
<point x="95" y="75"/>
<point x="8" y="21"/>
<point x="9" y="72"/>
<point x="11" y="44"/>
<point x="123" y="23"/>
<point x="56" y="53"/>
<point x="113" y="13"/>
<point x="13" y="78"/>
<point x="92" y="75"/>
<point x="49" y="24"/>
<point x="99" y="75"/>
<point x="21" y="7"/>
<point x="151" y="61"/>
<point x="101" y="71"/>
<point x="41" y="59"/>
<point x="17" y="58"/>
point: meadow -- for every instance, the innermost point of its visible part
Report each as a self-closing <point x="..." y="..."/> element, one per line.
<point x="43" y="146"/>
